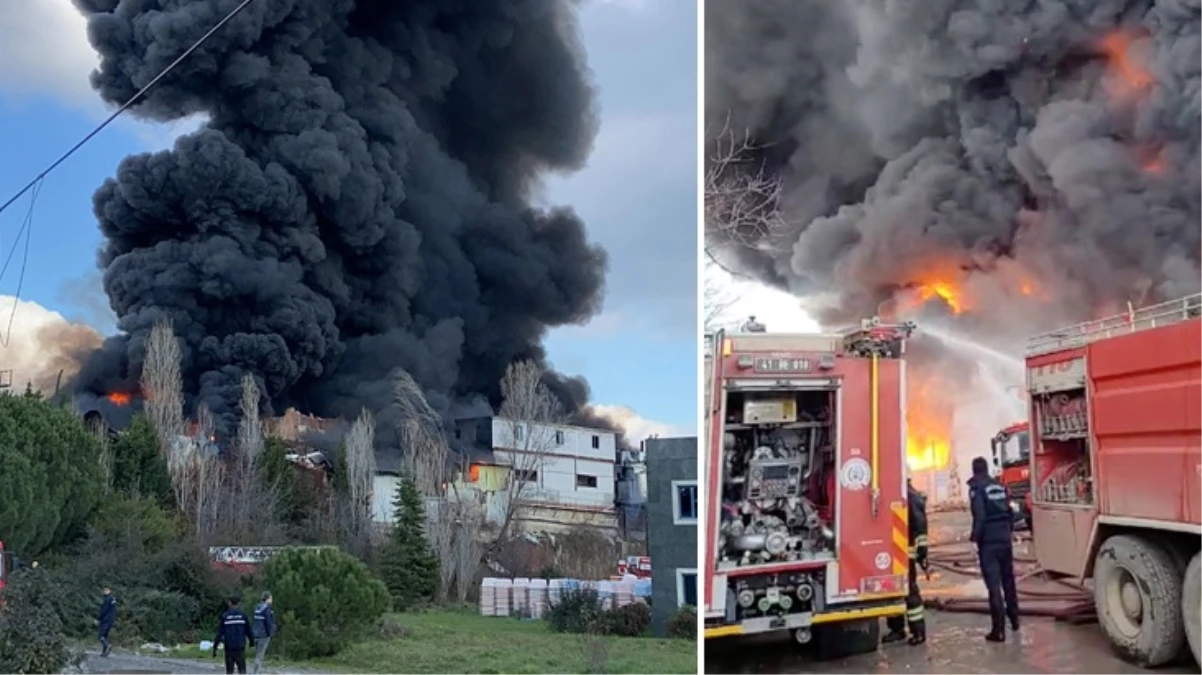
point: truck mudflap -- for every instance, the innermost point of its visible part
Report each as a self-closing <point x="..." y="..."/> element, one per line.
<point x="770" y="624"/>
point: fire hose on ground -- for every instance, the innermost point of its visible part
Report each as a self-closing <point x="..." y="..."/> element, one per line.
<point x="1073" y="604"/>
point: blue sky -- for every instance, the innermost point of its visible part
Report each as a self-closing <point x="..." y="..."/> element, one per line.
<point x="637" y="194"/>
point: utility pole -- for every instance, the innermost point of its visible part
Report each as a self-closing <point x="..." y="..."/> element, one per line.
<point x="953" y="480"/>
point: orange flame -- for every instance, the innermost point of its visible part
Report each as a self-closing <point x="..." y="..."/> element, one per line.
<point x="1130" y="76"/>
<point x="945" y="291"/>
<point x="928" y="422"/>
<point x="118" y="398"/>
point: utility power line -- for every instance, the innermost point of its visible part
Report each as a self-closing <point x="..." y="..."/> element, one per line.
<point x="35" y="185"/>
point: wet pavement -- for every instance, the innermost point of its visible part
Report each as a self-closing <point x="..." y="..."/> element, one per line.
<point x="955" y="646"/>
<point x="956" y="643"/>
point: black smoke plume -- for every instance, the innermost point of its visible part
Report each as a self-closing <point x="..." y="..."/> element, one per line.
<point x="358" y="200"/>
<point x="1043" y="156"/>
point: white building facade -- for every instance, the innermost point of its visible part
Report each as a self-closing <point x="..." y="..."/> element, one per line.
<point x="568" y="473"/>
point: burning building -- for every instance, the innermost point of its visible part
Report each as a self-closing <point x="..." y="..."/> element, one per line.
<point x="990" y="170"/>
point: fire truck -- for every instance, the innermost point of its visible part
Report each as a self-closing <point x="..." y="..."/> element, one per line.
<point x="806" y="522"/>
<point x="1116" y="470"/>
<point x="1011" y="451"/>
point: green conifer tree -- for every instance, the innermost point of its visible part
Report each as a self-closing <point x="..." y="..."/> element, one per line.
<point x="408" y="566"/>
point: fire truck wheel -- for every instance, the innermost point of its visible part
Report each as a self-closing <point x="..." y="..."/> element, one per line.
<point x="1137" y="595"/>
<point x="1191" y="605"/>
<point x="847" y="638"/>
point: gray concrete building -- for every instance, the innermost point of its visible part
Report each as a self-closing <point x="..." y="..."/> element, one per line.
<point x="672" y="517"/>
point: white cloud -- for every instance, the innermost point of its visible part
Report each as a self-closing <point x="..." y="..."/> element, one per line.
<point x="44" y="49"/>
<point x="638" y="428"/>
<point x="779" y="311"/>
<point x="42" y="343"/>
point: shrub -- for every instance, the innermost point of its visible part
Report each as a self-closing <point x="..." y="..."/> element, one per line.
<point x="164" y="586"/>
<point x="324" y="598"/>
<point x="628" y="621"/>
<point x="51" y="478"/>
<point x="31" y="634"/>
<point x="576" y="611"/>
<point x="683" y="623"/>
<point x="390" y="629"/>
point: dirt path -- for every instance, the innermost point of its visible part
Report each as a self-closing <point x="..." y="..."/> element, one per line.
<point x="130" y="663"/>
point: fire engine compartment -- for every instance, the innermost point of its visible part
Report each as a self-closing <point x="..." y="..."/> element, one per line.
<point x="778" y="458"/>
<point x="1064" y="469"/>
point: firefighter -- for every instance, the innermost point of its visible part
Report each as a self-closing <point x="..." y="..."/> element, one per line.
<point x="105" y="618"/>
<point x="993" y="533"/>
<point x="917" y="508"/>
<point x="235" y="630"/>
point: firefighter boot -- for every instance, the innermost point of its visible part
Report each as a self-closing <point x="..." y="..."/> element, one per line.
<point x="897" y="630"/>
<point x="996" y="635"/>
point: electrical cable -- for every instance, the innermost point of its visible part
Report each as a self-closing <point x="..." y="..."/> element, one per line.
<point x="36" y="184"/>
<point x="26" y="231"/>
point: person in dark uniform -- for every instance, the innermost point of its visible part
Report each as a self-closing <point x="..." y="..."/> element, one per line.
<point x="105" y="618"/>
<point x="993" y="533"/>
<point x="915" y="616"/>
<point x="234" y="629"/>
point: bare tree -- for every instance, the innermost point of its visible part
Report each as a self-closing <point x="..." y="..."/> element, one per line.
<point x="425" y="459"/>
<point x="207" y="476"/>
<point x="425" y="447"/>
<point x="163" y="391"/>
<point x="530" y="416"/>
<point x="718" y="297"/>
<point x="360" y="467"/>
<point x="247" y="498"/>
<point x="742" y="199"/>
<point x="105" y="460"/>
<point x="468" y="546"/>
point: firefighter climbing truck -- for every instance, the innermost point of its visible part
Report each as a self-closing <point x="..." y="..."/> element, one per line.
<point x="1011" y="451"/>
<point x="1116" y="465"/>
<point x="806" y="523"/>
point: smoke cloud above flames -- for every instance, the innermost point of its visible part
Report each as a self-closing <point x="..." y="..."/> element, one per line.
<point x="997" y="168"/>
<point x="359" y="200"/>
<point x="1040" y="158"/>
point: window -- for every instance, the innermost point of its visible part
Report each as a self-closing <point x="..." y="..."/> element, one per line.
<point x="585" y="481"/>
<point x="558" y="437"/>
<point x="684" y="504"/>
<point x="517" y="433"/>
<point x="526" y="475"/>
<point x="459" y="433"/>
<point x="686" y="587"/>
<point x="596" y="441"/>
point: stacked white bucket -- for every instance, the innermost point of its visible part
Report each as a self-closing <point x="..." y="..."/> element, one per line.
<point x="531" y="597"/>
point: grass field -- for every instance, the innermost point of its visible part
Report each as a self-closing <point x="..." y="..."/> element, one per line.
<point x="465" y="642"/>
<point x="462" y="642"/>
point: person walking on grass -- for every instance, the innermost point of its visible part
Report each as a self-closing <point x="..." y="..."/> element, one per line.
<point x="234" y="630"/>
<point x="105" y="618"/>
<point x="263" y="630"/>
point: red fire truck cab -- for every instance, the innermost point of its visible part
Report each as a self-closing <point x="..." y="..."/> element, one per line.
<point x="806" y="524"/>
<point x="1011" y="451"/>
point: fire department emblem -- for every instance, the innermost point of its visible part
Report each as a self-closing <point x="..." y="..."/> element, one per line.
<point x="883" y="560"/>
<point x="855" y="474"/>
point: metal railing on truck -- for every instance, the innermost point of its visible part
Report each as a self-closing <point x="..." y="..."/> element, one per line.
<point x="1131" y="321"/>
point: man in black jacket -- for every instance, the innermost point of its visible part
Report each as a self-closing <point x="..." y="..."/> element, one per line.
<point x="916" y="507"/>
<point x="234" y="631"/>
<point x="105" y="618"/>
<point x="993" y="533"/>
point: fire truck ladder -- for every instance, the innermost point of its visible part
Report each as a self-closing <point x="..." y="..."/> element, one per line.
<point x="1132" y="321"/>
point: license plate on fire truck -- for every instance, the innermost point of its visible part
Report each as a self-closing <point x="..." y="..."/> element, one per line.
<point x="782" y="365"/>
